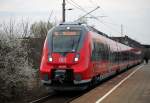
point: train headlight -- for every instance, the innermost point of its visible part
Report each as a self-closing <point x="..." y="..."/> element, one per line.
<point x="76" y="59"/>
<point x="50" y="59"/>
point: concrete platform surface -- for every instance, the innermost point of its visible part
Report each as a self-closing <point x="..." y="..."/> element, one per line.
<point x="132" y="86"/>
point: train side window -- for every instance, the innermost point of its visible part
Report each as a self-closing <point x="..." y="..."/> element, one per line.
<point x="111" y="56"/>
<point x="100" y="51"/>
<point x="94" y="52"/>
<point x="106" y="52"/>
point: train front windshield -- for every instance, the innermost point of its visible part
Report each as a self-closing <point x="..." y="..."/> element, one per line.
<point x="65" y="41"/>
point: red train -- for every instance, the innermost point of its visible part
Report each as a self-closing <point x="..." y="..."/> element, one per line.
<point x="76" y="56"/>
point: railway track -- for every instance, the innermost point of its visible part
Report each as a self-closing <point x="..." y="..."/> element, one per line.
<point x="58" y="97"/>
<point x="43" y="99"/>
<point x="63" y="97"/>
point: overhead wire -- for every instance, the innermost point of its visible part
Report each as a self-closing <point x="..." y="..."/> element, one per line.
<point x="97" y="4"/>
<point x="110" y="23"/>
<point x="79" y="7"/>
<point x="109" y="26"/>
<point x="73" y="3"/>
<point x="93" y="4"/>
<point x="113" y="22"/>
<point x="106" y="24"/>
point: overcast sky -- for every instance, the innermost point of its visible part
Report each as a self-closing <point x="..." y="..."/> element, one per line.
<point x="133" y="14"/>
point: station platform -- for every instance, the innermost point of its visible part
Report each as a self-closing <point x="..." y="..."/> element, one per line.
<point x="132" y="86"/>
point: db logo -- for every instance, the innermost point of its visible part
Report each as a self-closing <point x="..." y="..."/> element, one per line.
<point x="62" y="60"/>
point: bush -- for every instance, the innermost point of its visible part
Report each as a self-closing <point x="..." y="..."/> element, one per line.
<point x="15" y="71"/>
<point x="19" y="56"/>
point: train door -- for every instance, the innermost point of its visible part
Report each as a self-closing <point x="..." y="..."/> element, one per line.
<point x="110" y="56"/>
<point x="94" y="57"/>
<point x="118" y="55"/>
<point x="107" y="56"/>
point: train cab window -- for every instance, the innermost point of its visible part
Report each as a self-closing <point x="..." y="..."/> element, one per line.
<point x="65" y="41"/>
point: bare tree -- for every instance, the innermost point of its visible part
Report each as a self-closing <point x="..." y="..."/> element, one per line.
<point x="19" y="53"/>
<point x="15" y="70"/>
<point x="40" y="29"/>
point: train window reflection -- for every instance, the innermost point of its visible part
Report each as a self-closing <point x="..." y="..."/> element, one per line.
<point x="65" y="41"/>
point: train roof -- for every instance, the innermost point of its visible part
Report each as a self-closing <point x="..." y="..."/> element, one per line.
<point x="72" y="24"/>
<point x="104" y="37"/>
<point x="79" y="24"/>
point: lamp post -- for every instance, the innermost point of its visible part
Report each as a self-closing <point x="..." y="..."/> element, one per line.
<point x="63" y="10"/>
